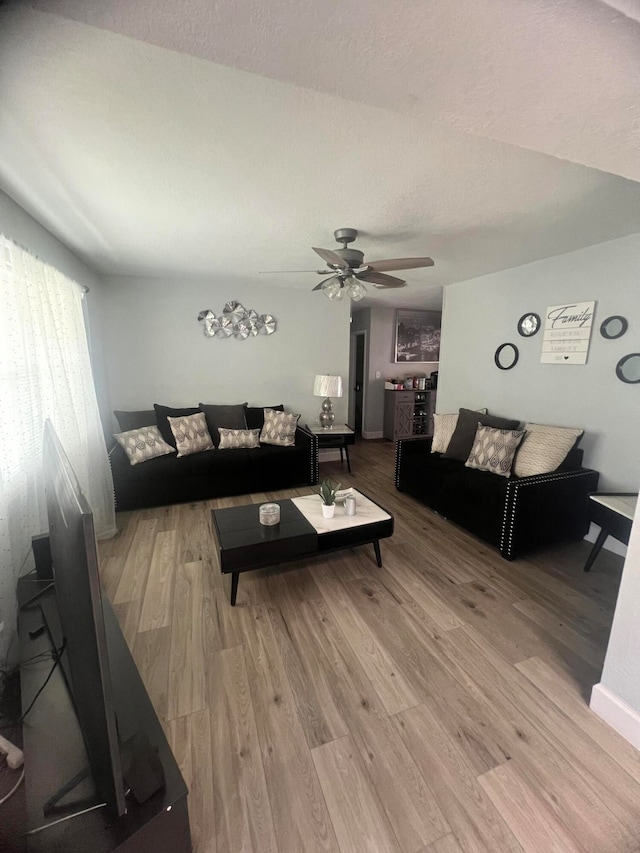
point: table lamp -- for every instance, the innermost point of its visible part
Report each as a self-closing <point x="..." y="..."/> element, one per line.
<point x="327" y="386"/>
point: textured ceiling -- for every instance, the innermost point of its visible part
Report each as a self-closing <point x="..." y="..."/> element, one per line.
<point x="221" y="139"/>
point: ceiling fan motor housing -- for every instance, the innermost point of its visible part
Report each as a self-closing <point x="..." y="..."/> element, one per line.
<point x="352" y="258"/>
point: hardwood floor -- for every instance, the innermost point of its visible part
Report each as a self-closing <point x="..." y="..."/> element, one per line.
<point x="436" y="705"/>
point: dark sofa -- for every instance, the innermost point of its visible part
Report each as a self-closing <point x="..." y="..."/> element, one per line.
<point x="212" y="474"/>
<point x="514" y="514"/>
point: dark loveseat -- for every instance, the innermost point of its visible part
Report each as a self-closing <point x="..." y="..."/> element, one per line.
<point x="211" y="474"/>
<point x="515" y="514"/>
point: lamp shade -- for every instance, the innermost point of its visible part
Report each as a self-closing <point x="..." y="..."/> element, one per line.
<point x="327" y="386"/>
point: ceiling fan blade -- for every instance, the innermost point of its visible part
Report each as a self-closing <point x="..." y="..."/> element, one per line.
<point x="400" y="264"/>
<point x="318" y="286"/>
<point x="331" y="257"/>
<point x="380" y="280"/>
<point x="269" y="272"/>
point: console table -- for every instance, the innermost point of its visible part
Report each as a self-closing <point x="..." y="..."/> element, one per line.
<point x="613" y="512"/>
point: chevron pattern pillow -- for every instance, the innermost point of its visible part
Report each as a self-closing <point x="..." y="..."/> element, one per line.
<point x="279" y="428"/>
<point x="443" y="427"/>
<point x="234" y="438"/>
<point x="493" y="449"/>
<point x="191" y="434"/>
<point x="544" y="449"/>
<point x="142" y="444"/>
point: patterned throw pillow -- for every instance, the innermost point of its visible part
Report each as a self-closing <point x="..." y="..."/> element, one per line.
<point x="142" y="444"/>
<point x="255" y="415"/>
<point x="232" y="438"/>
<point x="443" y="428"/>
<point x="163" y="413"/>
<point x="544" y="449"/>
<point x="279" y="428"/>
<point x="191" y="434"/>
<point x="493" y="449"/>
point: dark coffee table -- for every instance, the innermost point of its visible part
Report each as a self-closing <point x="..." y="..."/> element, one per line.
<point x="244" y="544"/>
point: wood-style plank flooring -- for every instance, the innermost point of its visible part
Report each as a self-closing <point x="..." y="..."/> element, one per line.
<point x="436" y="705"/>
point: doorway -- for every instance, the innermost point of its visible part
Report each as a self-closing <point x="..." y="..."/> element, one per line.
<point x="357" y="377"/>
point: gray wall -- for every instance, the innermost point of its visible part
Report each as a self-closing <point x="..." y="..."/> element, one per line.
<point x="156" y="351"/>
<point x="16" y="224"/>
<point x="481" y="314"/>
<point x="380" y="323"/>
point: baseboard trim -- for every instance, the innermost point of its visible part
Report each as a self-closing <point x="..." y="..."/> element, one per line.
<point x="379" y="434"/>
<point x="616" y="713"/>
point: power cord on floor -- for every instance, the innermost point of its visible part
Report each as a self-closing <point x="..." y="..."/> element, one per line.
<point x="58" y="655"/>
<point x="13" y="790"/>
<point x="10" y="710"/>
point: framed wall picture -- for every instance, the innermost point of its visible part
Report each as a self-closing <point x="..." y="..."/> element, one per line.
<point x="567" y="332"/>
<point x="417" y="336"/>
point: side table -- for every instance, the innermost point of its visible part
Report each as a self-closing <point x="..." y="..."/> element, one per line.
<point x="613" y="512"/>
<point x="340" y="436"/>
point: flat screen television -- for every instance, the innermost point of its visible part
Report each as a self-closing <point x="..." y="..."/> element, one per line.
<point x="79" y="600"/>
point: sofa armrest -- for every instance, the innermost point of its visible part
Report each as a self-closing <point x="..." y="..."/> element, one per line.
<point x="406" y="448"/>
<point x="546" y="508"/>
<point x="305" y="438"/>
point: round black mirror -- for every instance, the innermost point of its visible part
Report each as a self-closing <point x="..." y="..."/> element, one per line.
<point x="628" y="368"/>
<point x="506" y="356"/>
<point x="528" y="324"/>
<point x="614" y="327"/>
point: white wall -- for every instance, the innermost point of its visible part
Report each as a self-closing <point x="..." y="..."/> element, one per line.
<point x="16" y="224"/>
<point x="156" y="351"/>
<point x="621" y="672"/>
<point x="481" y="314"/>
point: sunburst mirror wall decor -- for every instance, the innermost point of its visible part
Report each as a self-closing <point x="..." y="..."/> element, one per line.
<point x="236" y="321"/>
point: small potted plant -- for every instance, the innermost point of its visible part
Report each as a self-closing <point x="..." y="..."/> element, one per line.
<point x="328" y="490"/>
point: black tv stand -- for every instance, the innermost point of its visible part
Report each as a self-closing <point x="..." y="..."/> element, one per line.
<point x="54" y="750"/>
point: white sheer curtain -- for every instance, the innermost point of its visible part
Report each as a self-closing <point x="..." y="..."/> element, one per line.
<point x="45" y="372"/>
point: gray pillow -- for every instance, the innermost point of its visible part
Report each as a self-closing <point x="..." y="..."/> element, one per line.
<point x="135" y="420"/>
<point x="227" y="417"/>
<point x="465" y="432"/>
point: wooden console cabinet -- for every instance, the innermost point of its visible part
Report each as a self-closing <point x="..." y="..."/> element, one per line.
<point x="408" y="414"/>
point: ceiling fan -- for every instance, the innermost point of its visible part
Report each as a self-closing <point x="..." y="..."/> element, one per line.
<point x="347" y="269"/>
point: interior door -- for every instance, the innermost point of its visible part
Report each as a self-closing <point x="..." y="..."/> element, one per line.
<point x="359" y="384"/>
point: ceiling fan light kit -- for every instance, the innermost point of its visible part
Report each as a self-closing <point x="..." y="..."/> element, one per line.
<point x="347" y="269"/>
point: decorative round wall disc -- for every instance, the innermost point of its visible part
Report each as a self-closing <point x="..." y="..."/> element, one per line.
<point x="242" y="330"/>
<point x="234" y="311"/>
<point x="226" y="328"/>
<point x="266" y="324"/>
<point x="211" y="324"/>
